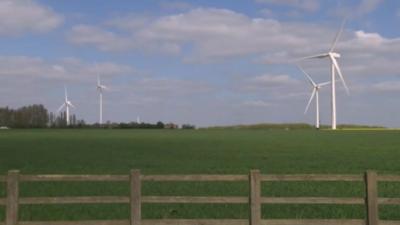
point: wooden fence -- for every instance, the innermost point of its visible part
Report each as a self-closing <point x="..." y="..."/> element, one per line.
<point x="255" y="199"/>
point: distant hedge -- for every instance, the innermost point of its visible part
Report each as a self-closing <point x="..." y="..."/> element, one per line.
<point x="287" y="126"/>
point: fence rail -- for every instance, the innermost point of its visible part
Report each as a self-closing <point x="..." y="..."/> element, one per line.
<point x="255" y="200"/>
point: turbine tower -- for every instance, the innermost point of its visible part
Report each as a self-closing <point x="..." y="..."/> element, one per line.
<point x="66" y="105"/>
<point x="138" y="119"/>
<point x="333" y="56"/>
<point x="100" y="89"/>
<point x="315" y="93"/>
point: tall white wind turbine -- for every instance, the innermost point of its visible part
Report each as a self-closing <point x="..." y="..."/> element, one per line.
<point x="315" y="93"/>
<point x="138" y="120"/>
<point x="333" y="56"/>
<point x="100" y="89"/>
<point x="66" y="105"/>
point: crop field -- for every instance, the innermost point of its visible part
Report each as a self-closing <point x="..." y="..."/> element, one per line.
<point x="199" y="152"/>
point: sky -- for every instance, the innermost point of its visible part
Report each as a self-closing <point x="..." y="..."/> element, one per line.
<point x="201" y="62"/>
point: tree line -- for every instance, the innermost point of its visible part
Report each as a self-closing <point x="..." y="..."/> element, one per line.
<point x="33" y="116"/>
<point x="37" y="116"/>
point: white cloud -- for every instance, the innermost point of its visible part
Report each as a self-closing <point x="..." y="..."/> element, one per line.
<point x="257" y="103"/>
<point x="386" y="86"/>
<point x="129" y="22"/>
<point x="164" y="86"/>
<point x="175" y="5"/>
<point x="22" y="16"/>
<point x="14" y="67"/>
<point x="308" y="5"/>
<point x="208" y="34"/>
<point x="369" y="38"/>
<point x="273" y="80"/>
<point x="367" y="6"/>
<point x="267" y="83"/>
<point x="363" y="8"/>
<point x="267" y="12"/>
<point x="102" y="39"/>
<point x="218" y="33"/>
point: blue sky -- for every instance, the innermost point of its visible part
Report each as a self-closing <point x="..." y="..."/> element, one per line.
<point x="200" y="62"/>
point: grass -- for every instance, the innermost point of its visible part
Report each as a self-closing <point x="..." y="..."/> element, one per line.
<point x="198" y="152"/>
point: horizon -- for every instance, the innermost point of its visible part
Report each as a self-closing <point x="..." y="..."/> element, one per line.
<point x="201" y="62"/>
<point x="53" y="117"/>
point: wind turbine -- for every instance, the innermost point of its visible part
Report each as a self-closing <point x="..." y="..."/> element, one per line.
<point x="333" y="56"/>
<point x="315" y="93"/>
<point x="138" y="119"/>
<point x="66" y="105"/>
<point x="100" y="89"/>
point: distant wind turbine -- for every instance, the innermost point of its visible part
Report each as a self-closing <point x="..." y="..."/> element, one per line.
<point x="100" y="89"/>
<point x="315" y="93"/>
<point x="66" y="105"/>
<point x="333" y="56"/>
<point x="138" y="120"/>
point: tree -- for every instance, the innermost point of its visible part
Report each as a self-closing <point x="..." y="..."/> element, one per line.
<point x="160" y="125"/>
<point x="188" y="126"/>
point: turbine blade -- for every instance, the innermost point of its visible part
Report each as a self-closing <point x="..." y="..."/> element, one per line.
<point x="338" y="34"/>
<point x="66" y="94"/>
<point x="335" y="63"/>
<point x="319" y="56"/>
<point x="98" y="74"/>
<point x="308" y="76"/>
<point x="324" y="84"/>
<point x="309" y="101"/>
<point x="70" y="104"/>
<point x="61" y="107"/>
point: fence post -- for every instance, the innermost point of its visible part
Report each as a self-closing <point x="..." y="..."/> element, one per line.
<point x="255" y="197"/>
<point x="135" y="200"/>
<point x="12" y="197"/>
<point x="371" y="198"/>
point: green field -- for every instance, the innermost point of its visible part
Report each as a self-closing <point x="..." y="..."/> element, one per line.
<point x="199" y="152"/>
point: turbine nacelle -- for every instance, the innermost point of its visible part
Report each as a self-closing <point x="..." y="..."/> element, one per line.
<point x="334" y="54"/>
<point x="101" y="88"/>
<point x="67" y="103"/>
<point x="70" y="104"/>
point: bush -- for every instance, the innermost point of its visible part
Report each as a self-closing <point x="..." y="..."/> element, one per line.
<point x="188" y="126"/>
